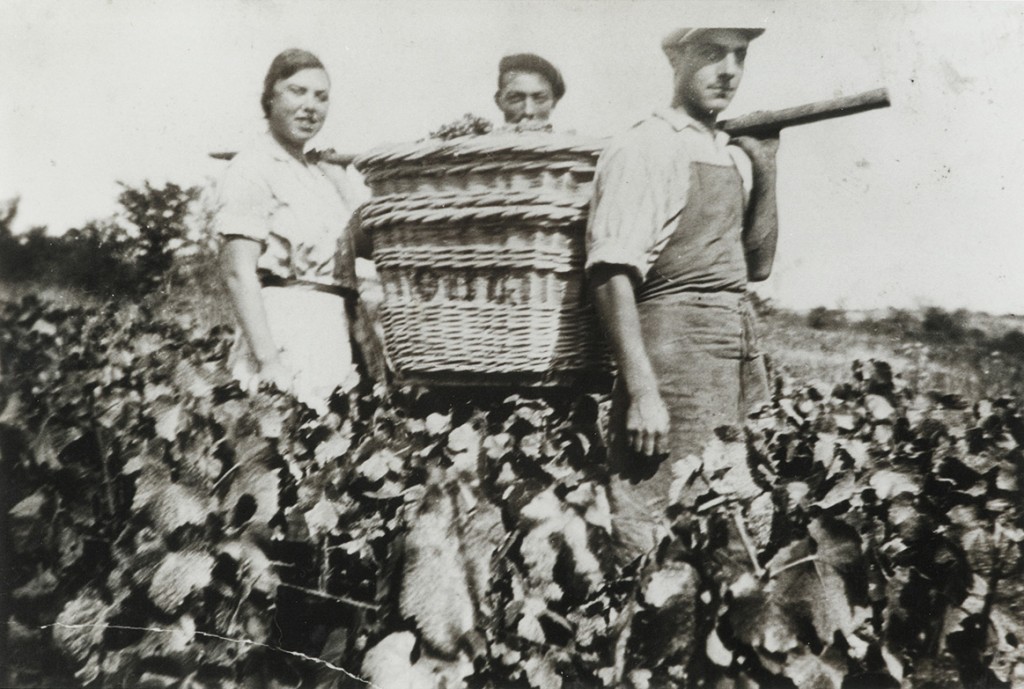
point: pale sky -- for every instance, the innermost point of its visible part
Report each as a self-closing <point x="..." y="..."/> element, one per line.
<point x="915" y="205"/>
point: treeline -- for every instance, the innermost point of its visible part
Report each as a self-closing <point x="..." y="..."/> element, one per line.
<point x="933" y="326"/>
<point x="130" y="254"/>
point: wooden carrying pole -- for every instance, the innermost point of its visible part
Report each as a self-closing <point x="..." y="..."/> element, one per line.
<point x="770" y="122"/>
<point x="760" y="123"/>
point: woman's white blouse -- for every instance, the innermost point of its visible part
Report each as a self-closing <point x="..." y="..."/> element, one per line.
<point x="297" y="210"/>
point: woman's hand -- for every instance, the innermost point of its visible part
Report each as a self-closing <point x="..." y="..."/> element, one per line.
<point x="278" y="375"/>
<point x="647" y="424"/>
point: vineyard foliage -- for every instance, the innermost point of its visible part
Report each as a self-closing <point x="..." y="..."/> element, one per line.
<point x="164" y="529"/>
<point x="130" y="254"/>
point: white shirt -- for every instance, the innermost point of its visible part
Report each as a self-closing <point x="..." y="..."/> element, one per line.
<point x="641" y="185"/>
<point x="297" y="210"/>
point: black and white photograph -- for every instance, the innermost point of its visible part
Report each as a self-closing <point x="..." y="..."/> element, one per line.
<point x="511" y="344"/>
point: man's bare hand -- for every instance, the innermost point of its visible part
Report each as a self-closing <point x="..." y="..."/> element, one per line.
<point x="760" y="150"/>
<point x="647" y="424"/>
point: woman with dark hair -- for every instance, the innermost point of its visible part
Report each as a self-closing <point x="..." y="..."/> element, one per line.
<point x="287" y="246"/>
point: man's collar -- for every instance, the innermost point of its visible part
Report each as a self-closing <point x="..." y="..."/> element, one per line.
<point x="680" y="120"/>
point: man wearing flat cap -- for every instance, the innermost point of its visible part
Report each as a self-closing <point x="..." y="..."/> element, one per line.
<point x="529" y="88"/>
<point x="679" y="223"/>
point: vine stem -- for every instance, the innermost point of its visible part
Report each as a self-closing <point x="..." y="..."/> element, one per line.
<point x="244" y="642"/>
<point x="223" y="477"/>
<point x="748" y="542"/>
<point x="108" y="479"/>
<point x="622" y="643"/>
<point x="330" y="596"/>
<point x="325" y="562"/>
<point x="995" y="575"/>
<point x="794" y="563"/>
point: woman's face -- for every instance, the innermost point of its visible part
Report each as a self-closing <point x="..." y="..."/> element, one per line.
<point x="299" y="106"/>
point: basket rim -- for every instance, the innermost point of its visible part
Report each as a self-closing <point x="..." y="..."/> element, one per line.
<point x="496" y="219"/>
<point x="487" y="207"/>
<point x="524" y="144"/>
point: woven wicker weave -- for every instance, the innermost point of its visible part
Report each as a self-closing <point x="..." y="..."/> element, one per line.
<point x="479" y="246"/>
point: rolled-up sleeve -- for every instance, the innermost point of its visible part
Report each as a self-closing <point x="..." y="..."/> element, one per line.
<point x="245" y="204"/>
<point x="631" y="204"/>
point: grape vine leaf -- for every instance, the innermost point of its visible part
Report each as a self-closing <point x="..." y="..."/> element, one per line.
<point x="52" y="439"/>
<point x="168" y="415"/>
<point x="726" y="470"/>
<point x="170" y="505"/>
<point x="30" y="508"/>
<point x="257" y="571"/>
<point x="379" y="464"/>
<point x="178" y="576"/>
<point x="879" y="408"/>
<point x="437" y="424"/>
<point x="759" y="621"/>
<point x="809" y="671"/>
<point x="390" y="665"/>
<point x="80" y="626"/>
<point x="40" y="586"/>
<point x="334" y="446"/>
<point x="322" y="518"/>
<point x="173" y="641"/>
<point x="808" y="581"/>
<point x="542" y="670"/>
<point x="549" y="525"/>
<point x="254" y="480"/>
<point x="435" y="590"/>
<point x="28" y="522"/>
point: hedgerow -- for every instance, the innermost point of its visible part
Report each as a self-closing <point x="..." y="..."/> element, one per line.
<point x="129" y="255"/>
<point x="164" y="529"/>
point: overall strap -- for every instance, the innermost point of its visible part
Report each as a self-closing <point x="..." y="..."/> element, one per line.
<point x="705" y="253"/>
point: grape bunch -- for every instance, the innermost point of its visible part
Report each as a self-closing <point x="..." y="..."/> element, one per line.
<point x="527" y="126"/>
<point x="467" y="125"/>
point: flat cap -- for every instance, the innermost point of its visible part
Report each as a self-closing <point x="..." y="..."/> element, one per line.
<point x="683" y="36"/>
<point x="529" y="62"/>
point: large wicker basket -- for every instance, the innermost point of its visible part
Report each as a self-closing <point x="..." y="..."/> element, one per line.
<point x="479" y="243"/>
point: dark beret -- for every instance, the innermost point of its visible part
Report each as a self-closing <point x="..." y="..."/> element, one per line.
<point x="528" y="62"/>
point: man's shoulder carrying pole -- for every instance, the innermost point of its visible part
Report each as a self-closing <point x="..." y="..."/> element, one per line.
<point x="770" y="122"/>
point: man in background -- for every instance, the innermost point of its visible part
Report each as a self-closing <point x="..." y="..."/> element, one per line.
<point x="529" y="88"/>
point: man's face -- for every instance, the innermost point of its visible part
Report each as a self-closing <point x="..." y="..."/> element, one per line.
<point x="525" y="96"/>
<point x="299" y="106"/>
<point x="708" y="72"/>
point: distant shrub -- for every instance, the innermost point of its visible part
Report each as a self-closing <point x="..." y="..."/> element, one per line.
<point x="762" y="306"/>
<point x="821" y="318"/>
<point x="159" y="217"/>
<point x="897" y="323"/>
<point x="939" y="325"/>
<point x="128" y="256"/>
<point x="1011" y="343"/>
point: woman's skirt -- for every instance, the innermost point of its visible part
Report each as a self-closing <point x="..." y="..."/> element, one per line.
<point x="311" y="329"/>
